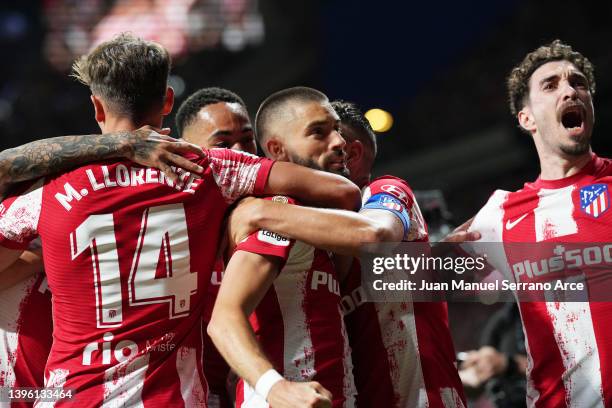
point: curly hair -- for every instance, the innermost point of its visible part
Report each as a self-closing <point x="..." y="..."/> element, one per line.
<point x="351" y="115"/>
<point x="518" y="80"/>
<point x="129" y="73"/>
<point x="189" y="109"/>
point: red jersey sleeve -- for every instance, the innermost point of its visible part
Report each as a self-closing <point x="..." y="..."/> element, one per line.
<point x="237" y="173"/>
<point x="393" y="186"/>
<point x="395" y="195"/>
<point x="19" y="215"/>
<point x="264" y="242"/>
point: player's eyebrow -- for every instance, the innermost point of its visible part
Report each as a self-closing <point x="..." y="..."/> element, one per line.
<point x="578" y="75"/>
<point x="220" y="133"/>
<point x="316" y="123"/>
<point x="555" y="77"/>
<point x="227" y="133"/>
<point x="549" y="78"/>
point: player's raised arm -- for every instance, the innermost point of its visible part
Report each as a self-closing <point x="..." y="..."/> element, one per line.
<point x="146" y="146"/>
<point x="231" y="332"/>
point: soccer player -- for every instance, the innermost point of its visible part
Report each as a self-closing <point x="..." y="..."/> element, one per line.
<point x="128" y="253"/>
<point x="396" y="362"/>
<point x="25" y="320"/>
<point x="567" y="342"/>
<point x="215" y="117"/>
<point x="211" y="117"/>
<point x="288" y="289"/>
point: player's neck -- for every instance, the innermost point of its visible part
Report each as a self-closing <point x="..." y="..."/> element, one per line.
<point x="361" y="177"/>
<point x="555" y="167"/>
<point x="362" y="181"/>
<point x="122" y="124"/>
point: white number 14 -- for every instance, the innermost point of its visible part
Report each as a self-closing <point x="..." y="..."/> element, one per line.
<point x="163" y="238"/>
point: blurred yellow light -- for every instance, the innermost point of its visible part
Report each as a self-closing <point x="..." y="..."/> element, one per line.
<point x="379" y="119"/>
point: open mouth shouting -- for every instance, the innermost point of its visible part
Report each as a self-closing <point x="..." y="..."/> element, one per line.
<point x="573" y="118"/>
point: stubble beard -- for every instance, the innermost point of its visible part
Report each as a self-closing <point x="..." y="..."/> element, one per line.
<point x="577" y="149"/>
<point x="581" y="146"/>
<point x="311" y="164"/>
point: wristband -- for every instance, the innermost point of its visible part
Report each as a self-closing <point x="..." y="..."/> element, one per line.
<point x="266" y="382"/>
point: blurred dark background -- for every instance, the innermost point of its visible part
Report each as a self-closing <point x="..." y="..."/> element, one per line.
<point x="438" y="67"/>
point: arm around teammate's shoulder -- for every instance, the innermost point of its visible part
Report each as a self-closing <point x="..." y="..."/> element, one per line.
<point x="387" y="226"/>
<point x="313" y="187"/>
<point x="339" y="231"/>
<point x="147" y="146"/>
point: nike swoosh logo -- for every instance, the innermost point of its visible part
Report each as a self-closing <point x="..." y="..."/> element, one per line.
<point x="512" y="224"/>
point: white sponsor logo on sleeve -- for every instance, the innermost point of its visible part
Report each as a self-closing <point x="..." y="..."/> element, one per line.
<point x="272" y="238"/>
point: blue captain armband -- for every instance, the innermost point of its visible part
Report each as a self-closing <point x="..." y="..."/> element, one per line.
<point x="384" y="201"/>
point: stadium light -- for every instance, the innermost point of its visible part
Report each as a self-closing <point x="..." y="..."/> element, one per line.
<point x="380" y="120"/>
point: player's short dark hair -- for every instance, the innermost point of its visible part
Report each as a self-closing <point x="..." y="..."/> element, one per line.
<point x="350" y="115"/>
<point x="518" y="80"/>
<point x="130" y="74"/>
<point x="189" y="109"/>
<point x="274" y="104"/>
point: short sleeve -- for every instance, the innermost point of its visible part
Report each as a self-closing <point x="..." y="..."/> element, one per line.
<point x="394" y="195"/>
<point x="19" y="216"/>
<point x="238" y="174"/>
<point x="264" y="242"/>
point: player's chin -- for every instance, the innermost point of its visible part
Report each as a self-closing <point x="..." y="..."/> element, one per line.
<point x="578" y="147"/>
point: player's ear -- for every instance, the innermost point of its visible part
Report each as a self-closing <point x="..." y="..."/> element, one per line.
<point x="168" y="101"/>
<point x="354" y="152"/>
<point x="276" y="149"/>
<point x="99" y="111"/>
<point x="526" y="119"/>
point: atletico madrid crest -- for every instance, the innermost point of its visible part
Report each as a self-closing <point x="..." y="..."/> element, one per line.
<point x="594" y="199"/>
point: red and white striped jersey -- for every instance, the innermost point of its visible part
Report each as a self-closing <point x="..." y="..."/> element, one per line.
<point x="299" y="323"/>
<point x="568" y="343"/>
<point x="128" y="256"/>
<point x="25" y="334"/>
<point x="403" y="354"/>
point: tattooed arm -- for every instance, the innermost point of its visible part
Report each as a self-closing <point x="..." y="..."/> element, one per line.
<point x="144" y="146"/>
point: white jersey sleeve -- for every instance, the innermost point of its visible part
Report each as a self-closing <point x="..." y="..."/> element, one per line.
<point x="19" y="215"/>
<point x="237" y="173"/>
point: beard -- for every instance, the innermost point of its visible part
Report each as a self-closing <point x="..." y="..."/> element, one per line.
<point x="311" y="164"/>
<point x="582" y="146"/>
<point x="578" y="149"/>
